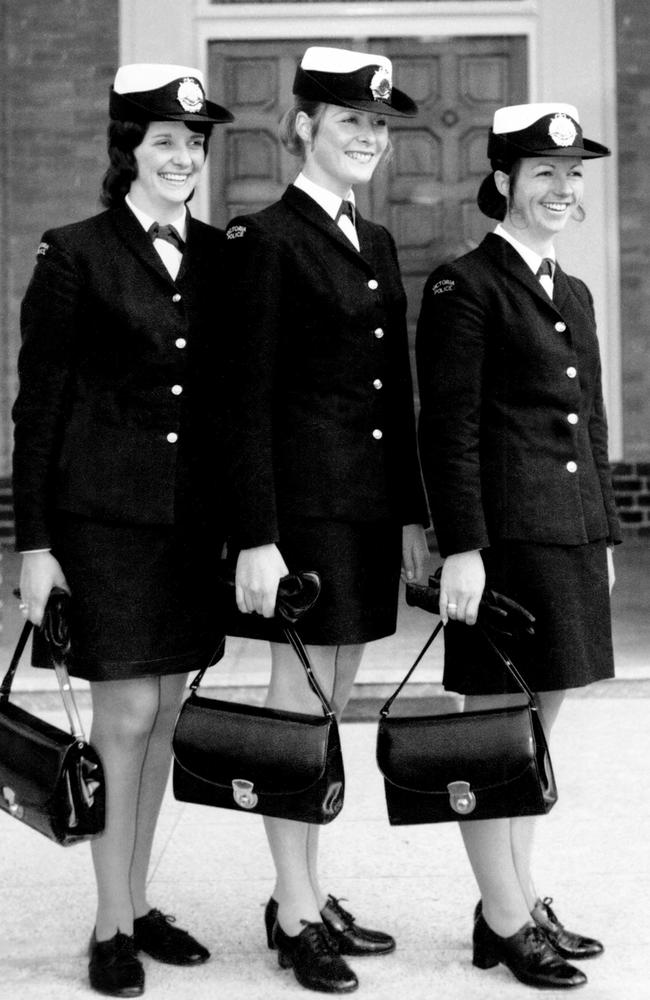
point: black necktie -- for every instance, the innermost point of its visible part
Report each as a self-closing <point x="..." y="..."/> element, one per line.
<point x="168" y="233"/>
<point x="346" y="208"/>
<point x="546" y="267"/>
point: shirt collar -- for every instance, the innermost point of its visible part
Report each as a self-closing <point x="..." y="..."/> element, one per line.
<point x="179" y="224"/>
<point x="328" y="201"/>
<point x="530" y="257"/>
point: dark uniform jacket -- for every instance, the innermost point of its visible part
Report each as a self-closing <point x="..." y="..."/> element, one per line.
<point x="321" y="396"/>
<point x="513" y="435"/>
<point x="116" y="362"/>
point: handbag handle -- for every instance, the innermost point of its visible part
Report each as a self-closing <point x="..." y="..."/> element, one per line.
<point x="301" y="653"/>
<point x="297" y="593"/>
<point x="57" y="638"/>
<point x="505" y="659"/>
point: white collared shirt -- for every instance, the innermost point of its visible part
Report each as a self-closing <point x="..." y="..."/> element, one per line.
<point x="331" y="204"/>
<point x="168" y="253"/>
<point x="530" y="257"/>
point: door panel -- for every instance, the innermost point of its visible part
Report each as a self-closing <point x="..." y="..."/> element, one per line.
<point x="426" y="195"/>
<point x="249" y="168"/>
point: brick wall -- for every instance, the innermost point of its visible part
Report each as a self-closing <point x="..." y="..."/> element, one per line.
<point x="633" y="85"/>
<point x="57" y="60"/>
<point x="632" y="488"/>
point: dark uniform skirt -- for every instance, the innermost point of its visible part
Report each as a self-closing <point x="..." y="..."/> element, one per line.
<point x="143" y="598"/>
<point x="359" y="566"/>
<point x="566" y="589"/>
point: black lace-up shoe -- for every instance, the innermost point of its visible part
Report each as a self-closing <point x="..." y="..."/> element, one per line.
<point x="351" y="939"/>
<point x="314" y="959"/>
<point x="528" y="954"/>
<point x="568" y="944"/>
<point x="114" y="969"/>
<point x="155" y="934"/>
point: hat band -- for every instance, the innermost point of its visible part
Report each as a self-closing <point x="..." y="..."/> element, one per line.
<point x="313" y="86"/>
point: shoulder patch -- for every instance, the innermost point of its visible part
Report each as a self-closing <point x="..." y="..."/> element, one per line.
<point x="42" y="249"/>
<point x="444" y="285"/>
<point x="234" y="232"/>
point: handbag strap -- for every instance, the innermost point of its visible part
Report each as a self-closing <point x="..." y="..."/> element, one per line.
<point x="386" y="709"/>
<point x="505" y="659"/>
<point x="5" y="687"/>
<point x="63" y="680"/>
<point x="299" y="648"/>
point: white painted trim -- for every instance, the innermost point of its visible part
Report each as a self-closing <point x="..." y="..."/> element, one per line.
<point x="571" y="57"/>
<point x="337" y="20"/>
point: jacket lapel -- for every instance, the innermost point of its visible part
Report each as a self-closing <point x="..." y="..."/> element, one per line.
<point x="131" y="233"/>
<point x="317" y="217"/>
<point x="508" y="261"/>
<point x="561" y="290"/>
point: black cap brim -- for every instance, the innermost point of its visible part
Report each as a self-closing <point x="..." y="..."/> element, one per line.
<point x="124" y="107"/>
<point x="503" y="148"/>
<point x="309" y="87"/>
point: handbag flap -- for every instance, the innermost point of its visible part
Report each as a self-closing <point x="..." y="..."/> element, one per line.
<point x="279" y="752"/>
<point x="33" y="754"/>
<point x="485" y="749"/>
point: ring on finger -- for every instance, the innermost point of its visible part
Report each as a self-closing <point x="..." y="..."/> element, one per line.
<point x="452" y="607"/>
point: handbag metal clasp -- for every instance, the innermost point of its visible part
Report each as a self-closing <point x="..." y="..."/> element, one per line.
<point x="461" y="797"/>
<point x="243" y="794"/>
<point x="15" y="808"/>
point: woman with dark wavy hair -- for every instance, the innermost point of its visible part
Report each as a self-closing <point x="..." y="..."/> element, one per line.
<point x="114" y="483"/>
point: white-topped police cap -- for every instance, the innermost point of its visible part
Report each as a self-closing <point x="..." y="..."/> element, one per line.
<point x="145" y="92"/>
<point x="531" y="130"/>
<point x="548" y="129"/>
<point x="350" y="79"/>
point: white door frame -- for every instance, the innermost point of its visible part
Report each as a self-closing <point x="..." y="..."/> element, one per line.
<point x="571" y="57"/>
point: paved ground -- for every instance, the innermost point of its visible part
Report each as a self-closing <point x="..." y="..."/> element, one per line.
<point x="212" y="868"/>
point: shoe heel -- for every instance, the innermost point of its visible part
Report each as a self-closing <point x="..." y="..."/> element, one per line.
<point x="270" y="916"/>
<point x="484" y="958"/>
<point x="486" y="953"/>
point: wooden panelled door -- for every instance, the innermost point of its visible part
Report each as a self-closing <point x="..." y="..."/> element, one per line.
<point x="426" y="194"/>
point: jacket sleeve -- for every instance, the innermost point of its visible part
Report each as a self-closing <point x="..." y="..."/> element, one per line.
<point x="598" y="437"/>
<point x="254" y="289"/>
<point x="450" y="353"/>
<point x="48" y="321"/>
<point x="411" y="500"/>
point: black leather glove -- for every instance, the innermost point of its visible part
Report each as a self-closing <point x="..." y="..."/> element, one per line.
<point x="297" y="593"/>
<point x="496" y="611"/>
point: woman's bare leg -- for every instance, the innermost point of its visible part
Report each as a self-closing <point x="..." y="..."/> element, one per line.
<point x="123" y="716"/>
<point x="500" y="850"/>
<point x="522" y="828"/>
<point x="153" y="783"/>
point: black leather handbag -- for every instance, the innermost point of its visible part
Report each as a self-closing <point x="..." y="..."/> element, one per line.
<point x="466" y="765"/>
<point x="262" y="760"/>
<point x="50" y="779"/>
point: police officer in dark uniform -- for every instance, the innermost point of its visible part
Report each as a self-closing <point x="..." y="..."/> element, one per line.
<point x="115" y="475"/>
<point x="513" y="441"/>
<point x="324" y="470"/>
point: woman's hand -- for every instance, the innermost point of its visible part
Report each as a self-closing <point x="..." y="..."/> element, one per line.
<point x="461" y="587"/>
<point x="40" y="572"/>
<point x="415" y="552"/>
<point x="611" y="572"/>
<point x="258" y="573"/>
